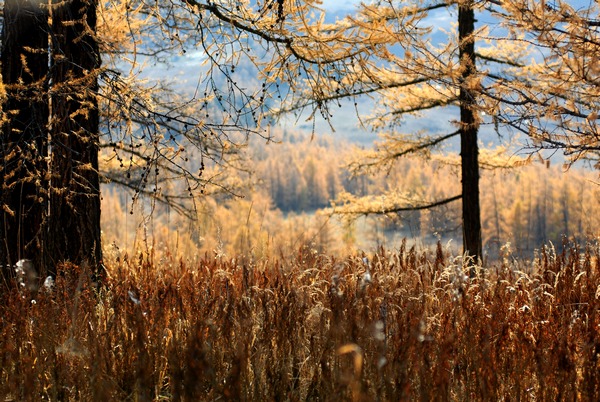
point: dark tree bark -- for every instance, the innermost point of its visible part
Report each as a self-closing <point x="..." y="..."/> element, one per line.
<point x="74" y="219"/>
<point x="50" y="188"/>
<point x="469" y="127"/>
<point x="23" y="145"/>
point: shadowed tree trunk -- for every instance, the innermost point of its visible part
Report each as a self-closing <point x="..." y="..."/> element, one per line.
<point x="74" y="219"/>
<point x="23" y="145"/>
<point x="468" y="137"/>
<point x="50" y="189"/>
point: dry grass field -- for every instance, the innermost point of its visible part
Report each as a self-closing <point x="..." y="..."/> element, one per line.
<point x="309" y="327"/>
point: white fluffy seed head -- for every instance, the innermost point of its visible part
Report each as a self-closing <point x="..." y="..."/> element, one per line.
<point x="27" y="274"/>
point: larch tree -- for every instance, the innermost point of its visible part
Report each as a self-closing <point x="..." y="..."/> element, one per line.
<point x="414" y="69"/>
<point x="82" y="105"/>
<point x="23" y="178"/>
<point x="560" y="110"/>
<point x="72" y="226"/>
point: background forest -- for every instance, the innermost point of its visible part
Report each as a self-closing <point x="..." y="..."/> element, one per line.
<point x="292" y="194"/>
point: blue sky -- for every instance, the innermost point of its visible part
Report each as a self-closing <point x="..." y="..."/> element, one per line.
<point x="339" y="5"/>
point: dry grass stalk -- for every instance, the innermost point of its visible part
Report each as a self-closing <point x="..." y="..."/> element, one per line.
<point x="310" y="328"/>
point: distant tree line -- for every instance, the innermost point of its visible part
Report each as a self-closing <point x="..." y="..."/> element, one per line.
<point x="527" y="206"/>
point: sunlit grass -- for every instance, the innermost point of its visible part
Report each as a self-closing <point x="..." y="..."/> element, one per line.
<point x="309" y="327"/>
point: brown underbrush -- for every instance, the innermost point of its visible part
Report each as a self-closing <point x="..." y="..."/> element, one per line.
<point x="402" y="325"/>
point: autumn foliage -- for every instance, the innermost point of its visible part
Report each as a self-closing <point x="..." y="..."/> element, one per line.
<point x="266" y="306"/>
<point x="288" y="202"/>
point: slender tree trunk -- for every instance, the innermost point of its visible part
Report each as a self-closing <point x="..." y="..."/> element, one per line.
<point x="469" y="127"/>
<point x="24" y="135"/>
<point x="496" y="215"/>
<point x="74" y="219"/>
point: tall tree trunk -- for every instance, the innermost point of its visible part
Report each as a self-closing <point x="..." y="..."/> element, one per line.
<point x="50" y="199"/>
<point x="24" y="135"/>
<point x="74" y="219"/>
<point x="469" y="127"/>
